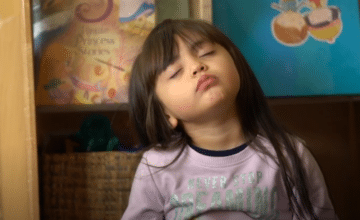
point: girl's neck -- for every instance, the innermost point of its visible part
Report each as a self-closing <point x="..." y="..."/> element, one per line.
<point x="222" y="133"/>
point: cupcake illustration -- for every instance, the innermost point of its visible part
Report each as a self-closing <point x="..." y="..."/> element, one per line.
<point x="290" y="28"/>
<point x="293" y="25"/>
<point x="324" y="23"/>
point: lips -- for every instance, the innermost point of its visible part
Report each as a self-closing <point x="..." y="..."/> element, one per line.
<point x="205" y="82"/>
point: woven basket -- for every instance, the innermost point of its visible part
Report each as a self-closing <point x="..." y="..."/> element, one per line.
<point x="87" y="185"/>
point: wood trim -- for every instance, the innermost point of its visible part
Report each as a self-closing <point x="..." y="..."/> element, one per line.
<point x="201" y="9"/>
<point x="354" y="152"/>
<point x="18" y="149"/>
<point x="312" y="100"/>
<point x="83" y="108"/>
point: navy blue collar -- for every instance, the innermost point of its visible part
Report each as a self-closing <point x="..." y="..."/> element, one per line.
<point x="222" y="153"/>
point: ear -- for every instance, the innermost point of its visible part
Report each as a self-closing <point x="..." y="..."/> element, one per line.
<point x="172" y="120"/>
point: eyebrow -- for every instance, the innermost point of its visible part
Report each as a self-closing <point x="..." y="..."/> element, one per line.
<point x="196" y="45"/>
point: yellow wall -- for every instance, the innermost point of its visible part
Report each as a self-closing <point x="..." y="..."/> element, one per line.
<point x="18" y="157"/>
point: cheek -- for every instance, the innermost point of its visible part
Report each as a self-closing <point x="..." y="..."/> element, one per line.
<point x="176" y="98"/>
<point x="237" y="80"/>
<point x="233" y="77"/>
<point x="177" y="91"/>
<point x="180" y="98"/>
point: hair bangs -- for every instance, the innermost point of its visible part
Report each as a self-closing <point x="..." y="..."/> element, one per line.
<point x="159" y="52"/>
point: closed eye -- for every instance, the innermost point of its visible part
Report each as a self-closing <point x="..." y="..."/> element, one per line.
<point x="175" y="74"/>
<point x="208" y="53"/>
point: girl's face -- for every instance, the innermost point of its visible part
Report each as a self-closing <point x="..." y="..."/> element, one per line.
<point x="202" y="83"/>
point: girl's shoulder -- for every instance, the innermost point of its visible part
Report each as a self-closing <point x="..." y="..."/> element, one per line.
<point x="154" y="160"/>
<point x="305" y="154"/>
<point x="160" y="157"/>
<point x="298" y="143"/>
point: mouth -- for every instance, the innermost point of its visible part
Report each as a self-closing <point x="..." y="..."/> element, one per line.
<point x="205" y="82"/>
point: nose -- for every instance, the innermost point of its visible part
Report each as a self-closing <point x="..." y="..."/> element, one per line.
<point x="199" y="68"/>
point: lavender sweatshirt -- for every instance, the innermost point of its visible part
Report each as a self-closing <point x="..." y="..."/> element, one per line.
<point x="245" y="185"/>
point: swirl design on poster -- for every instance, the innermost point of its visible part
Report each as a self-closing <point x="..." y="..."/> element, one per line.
<point x="86" y="7"/>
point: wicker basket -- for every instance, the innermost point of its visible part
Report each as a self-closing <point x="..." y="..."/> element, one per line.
<point x="87" y="185"/>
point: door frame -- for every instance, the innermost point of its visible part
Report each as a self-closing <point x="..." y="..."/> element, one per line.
<point x="19" y="193"/>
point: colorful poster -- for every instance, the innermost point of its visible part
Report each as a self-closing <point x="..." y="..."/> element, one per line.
<point x="296" y="47"/>
<point x="84" y="49"/>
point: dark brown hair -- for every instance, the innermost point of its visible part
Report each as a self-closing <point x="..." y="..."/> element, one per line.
<point x="154" y="130"/>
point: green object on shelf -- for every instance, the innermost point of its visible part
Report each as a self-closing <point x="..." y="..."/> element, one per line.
<point x="96" y="135"/>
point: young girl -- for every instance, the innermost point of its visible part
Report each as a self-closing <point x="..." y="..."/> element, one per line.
<point x="213" y="149"/>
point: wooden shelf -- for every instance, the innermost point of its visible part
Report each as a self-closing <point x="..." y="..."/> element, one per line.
<point x="125" y="106"/>
<point x="312" y="100"/>
<point x="82" y="108"/>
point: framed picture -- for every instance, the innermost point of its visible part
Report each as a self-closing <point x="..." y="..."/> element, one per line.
<point x="84" y="49"/>
<point x="296" y="47"/>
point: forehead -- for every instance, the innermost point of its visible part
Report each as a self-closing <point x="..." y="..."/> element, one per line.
<point x="191" y="43"/>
